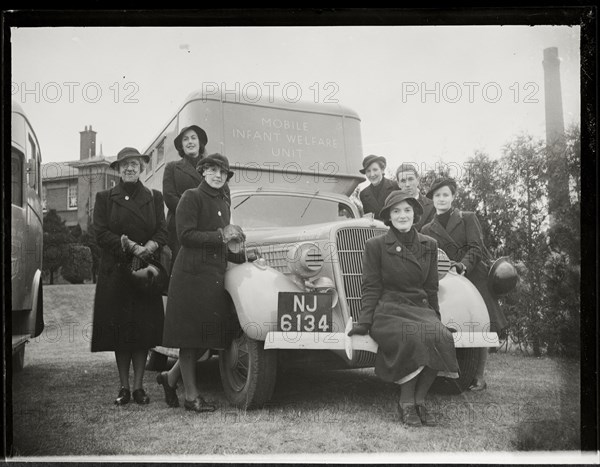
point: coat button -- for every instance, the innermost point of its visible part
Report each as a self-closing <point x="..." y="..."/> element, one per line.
<point x="398" y="248"/>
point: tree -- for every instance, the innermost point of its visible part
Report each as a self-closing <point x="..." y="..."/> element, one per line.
<point x="56" y="238"/>
<point x="78" y="265"/>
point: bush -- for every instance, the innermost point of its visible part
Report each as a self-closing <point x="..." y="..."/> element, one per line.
<point x="78" y="266"/>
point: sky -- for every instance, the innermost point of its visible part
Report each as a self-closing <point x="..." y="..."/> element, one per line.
<point x="423" y="93"/>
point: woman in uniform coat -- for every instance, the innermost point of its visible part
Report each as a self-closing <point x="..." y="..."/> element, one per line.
<point x="199" y="315"/>
<point x="178" y="177"/>
<point x="459" y="234"/>
<point x="127" y="320"/>
<point x="400" y="309"/>
<point x="373" y="196"/>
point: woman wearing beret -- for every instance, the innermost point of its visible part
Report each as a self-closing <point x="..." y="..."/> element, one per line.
<point x="400" y="309"/>
<point x="373" y="196"/>
<point x="129" y="225"/>
<point x="459" y="234"/>
<point x="199" y="315"/>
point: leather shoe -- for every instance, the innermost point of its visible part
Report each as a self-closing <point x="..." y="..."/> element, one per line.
<point x="427" y="418"/>
<point x="170" y="392"/>
<point x="124" y="396"/>
<point x="139" y="395"/>
<point x="478" y="386"/>
<point x="199" y="405"/>
<point x="409" y="416"/>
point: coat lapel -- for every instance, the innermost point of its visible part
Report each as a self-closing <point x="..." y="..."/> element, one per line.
<point x="188" y="170"/>
<point x="454" y="221"/>
<point x="134" y="203"/>
<point x="437" y="231"/>
<point x="394" y="247"/>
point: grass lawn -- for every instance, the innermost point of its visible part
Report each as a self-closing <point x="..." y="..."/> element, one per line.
<point x="63" y="406"/>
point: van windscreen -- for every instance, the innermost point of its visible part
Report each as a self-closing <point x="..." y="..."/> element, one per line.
<point x="280" y="210"/>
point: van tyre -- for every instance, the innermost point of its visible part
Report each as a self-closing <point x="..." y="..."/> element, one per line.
<point x="468" y="360"/>
<point x="18" y="359"/>
<point x="248" y="372"/>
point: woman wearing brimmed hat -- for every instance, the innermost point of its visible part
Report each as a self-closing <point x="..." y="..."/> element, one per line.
<point x="199" y="315"/>
<point x="458" y="233"/>
<point x="373" y="196"/>
<point x="400" y="309"/>
<point x="129" y="225"/>
<point x="182" y="175"/>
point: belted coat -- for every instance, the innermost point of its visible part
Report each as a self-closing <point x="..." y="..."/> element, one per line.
<point x="400" y="304"/>
<point x="199" y="312"/>
<point x="126" y="318"/>
<point x="462" y="240"/>
<point x="178" y="177"/>
<point x="373" y="199"/>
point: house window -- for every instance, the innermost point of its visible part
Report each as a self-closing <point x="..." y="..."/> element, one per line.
<point x="113" y="183"/>
<point x="160" y="153"/>
<point x="72" y="196"/>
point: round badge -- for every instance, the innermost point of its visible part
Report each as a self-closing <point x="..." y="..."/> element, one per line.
<point x="219" y="213"/>
<point x="398" y="248"/>
<point x="126" y="198"/>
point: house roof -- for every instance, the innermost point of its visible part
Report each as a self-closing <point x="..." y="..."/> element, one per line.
<point x="66" y="170"/>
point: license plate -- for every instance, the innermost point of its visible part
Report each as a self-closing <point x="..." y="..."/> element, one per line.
<point x="305" y="312"/>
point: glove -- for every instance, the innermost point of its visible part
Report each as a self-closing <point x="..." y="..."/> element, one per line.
<point x="359" y="329"/>
<point x="130" y="246"/>
<point x="151" y="246"/>
<point x="232" y="232"/>
<point x="460" y="268"/>
<point x="252" y="254"/>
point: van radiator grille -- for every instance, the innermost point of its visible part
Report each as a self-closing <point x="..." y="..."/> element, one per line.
<point x="350" y="246"/>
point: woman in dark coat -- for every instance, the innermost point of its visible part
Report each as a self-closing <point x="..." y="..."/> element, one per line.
<point x="129" y="225"/>
<point x="373" y="197"/>
<point x="459" y="234"/>
<point x="199" y="315"/>
<point x="400" y="309"/>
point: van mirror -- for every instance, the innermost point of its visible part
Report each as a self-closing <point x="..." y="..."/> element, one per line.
<point x="31" y="173"/>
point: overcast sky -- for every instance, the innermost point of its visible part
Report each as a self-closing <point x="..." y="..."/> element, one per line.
<point x="485" y="83"/>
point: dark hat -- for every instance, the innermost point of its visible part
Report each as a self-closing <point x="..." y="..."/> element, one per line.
<point x="396" y="197"/>
<point x="128" y="153"/>
<point x="439" y="183"/>
<point x="215" y="159"/>
<point x="502" y="277"/>
<point x="149" y="275"/>
<point x="367" y="161"/>
<point x="199" y="131"/>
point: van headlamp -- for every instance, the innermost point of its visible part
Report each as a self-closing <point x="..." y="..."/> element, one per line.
<point x="305" y="260"/>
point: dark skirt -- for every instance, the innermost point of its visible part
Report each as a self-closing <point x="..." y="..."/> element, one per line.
<point x="497" y="319"/>
<point x="200" y="313"/>
<point x="125" y="318"/>
<point x="409" y="336"/>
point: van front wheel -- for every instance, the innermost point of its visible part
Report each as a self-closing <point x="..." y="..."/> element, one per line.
<point x="248" y="372"/>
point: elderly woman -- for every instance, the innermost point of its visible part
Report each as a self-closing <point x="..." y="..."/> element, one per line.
<point x="400" y="309"/>
<point x="459" y="234"/>
<point x="199" y="315"/>
<point x="129" y="225"/>
<point x="373" y="196"/>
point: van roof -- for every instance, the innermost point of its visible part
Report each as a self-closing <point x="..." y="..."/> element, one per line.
<point x="276" y="103"/>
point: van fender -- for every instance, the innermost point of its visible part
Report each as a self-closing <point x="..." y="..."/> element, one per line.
<point x="463" y="310"/>
<point x="254" y="289"/>
<point x="35" y="320"/>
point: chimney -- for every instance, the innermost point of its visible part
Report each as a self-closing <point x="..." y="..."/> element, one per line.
<point x="555" y="125"/>
<point x="87" y="146"/>
<point x="558" y="180"/>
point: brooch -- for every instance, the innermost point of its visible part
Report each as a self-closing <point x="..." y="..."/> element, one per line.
<point x="219" y="213"/>
<point x="398" y="248"/>
<point x="126" y="198"/>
